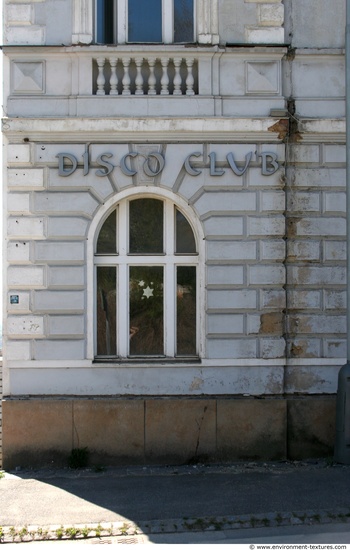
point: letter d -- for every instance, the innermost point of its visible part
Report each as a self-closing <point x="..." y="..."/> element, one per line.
<point x="62" y="171"/>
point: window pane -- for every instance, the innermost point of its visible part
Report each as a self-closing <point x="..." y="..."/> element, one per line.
<point x="106" y="311"/>
<point x="185" y="241"/>
<point x="183" y="20"/>
<point x="146" y="226"/>
<point x="145" y="21"/>
<point x="146" y="310"/>
<point x="105" y="20"/>
<point x="107" y="242"/>
<point x="186" y="310"/>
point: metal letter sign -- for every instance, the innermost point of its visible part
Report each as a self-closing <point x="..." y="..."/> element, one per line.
<point x="155" y="162"/>
<point x="273" y="162"/>
<point x="62" y="171"/>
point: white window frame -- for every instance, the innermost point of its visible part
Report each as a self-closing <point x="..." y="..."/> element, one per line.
<point x="123" y="261"/>
<point x="121" y="26"/>
<point x="206" y="21"/>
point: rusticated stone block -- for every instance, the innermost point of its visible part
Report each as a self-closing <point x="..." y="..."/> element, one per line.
<point x="31" y="276"/>
<point x="18" y="153"/>
<point x="270" y="14"/>
<point x="26" y="178"/>
<point x="271" y="323"/>
<point x="18" y="202"/>
<point x="265" y="35"/>
<point x="304" y="347"/>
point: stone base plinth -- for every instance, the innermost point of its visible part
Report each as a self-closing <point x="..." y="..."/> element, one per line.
<point x="43" y="431"/>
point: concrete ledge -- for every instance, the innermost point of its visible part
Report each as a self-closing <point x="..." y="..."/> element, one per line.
<point x="172" y="430"/>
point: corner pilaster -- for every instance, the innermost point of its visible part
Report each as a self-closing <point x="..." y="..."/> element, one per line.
<point x="208" y="22"/>
<point x="82" y="22"/>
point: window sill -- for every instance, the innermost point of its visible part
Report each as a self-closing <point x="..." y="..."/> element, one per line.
<point x="151" y="361"/>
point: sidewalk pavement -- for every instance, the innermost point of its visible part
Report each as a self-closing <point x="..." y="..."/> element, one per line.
<point x="154" y="500"/>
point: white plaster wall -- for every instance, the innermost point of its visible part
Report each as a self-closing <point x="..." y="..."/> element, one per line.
<point x="307" y="24"/>
<point x="243" y="223"/>
<point x="261" y="293"/>
<point x="315" y="23"/>
<point x="37" y="22"/>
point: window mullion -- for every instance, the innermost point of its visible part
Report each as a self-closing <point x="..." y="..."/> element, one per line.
<point x="123" y="279"/>
<point x="123" y="311"/>
<point x="168" y="21"/>
<point x="122" y="20"/>
<point x="169" y="309"/>
<point x="198" y="314"/>
<point x="169" y="229"/>
<point x="115" y="21"/>
<point x="169" y="280"/>
<point x="123" y="229"/>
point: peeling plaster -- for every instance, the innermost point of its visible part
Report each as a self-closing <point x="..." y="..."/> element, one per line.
<point x="197" y="384"/>
<point x="271" y="323"/>
<point x="282" y="127"/>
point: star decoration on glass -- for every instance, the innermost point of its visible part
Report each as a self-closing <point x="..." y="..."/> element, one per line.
<point x="142" y="283"/>
<point x="148" y="292"/>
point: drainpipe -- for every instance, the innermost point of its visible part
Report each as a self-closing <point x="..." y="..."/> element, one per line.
<point x="342" y="443"/>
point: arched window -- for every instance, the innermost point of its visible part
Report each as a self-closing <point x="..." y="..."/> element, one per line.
<point x="146" y="262"/>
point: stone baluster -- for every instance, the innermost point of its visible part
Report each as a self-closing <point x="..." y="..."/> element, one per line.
<point x="165" y="77"/>
<point x="114" y="78"/>
<point x="101" y="81"/>
<point x="177" y="77"/>
<point x="190" y="78"/>
<point x="139" y="77"/>
<point x="152" y="78"/>
<point x="126" y="78"/>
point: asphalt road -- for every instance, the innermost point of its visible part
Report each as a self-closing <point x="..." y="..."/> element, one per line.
<point x="68" y="497"/>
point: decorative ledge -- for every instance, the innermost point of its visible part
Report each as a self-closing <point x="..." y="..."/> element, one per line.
<point x="115" y="130"/>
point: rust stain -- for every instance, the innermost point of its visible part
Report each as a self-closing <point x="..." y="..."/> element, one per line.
<point x="300" y="350"/>
<point x="297" y="351"/>
<point x="197" y="384"/>
<point x="292" y="227"/>
<point x="274" y="384"/>
<point x="271" y="323"/>
<point x="303" y="276"/>
<point x="304" y="380"/>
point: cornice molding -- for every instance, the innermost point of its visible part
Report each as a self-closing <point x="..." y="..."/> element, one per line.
<point x="218" y="129"/>
<point x="118" y="130"/>
<point x="322" y="130"/>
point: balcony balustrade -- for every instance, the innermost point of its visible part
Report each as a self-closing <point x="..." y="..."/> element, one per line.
<point x="144" y="81"/>
<point x="145" y="76"/>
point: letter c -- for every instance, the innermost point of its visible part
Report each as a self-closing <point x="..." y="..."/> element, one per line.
<point x="124" y="167"/>
<point x="189" y="169"/>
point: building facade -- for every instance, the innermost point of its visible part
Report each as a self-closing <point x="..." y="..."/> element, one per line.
<point x="174" y="252"/>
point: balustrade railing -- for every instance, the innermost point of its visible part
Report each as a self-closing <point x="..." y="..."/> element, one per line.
<point x="145" y="76"/>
